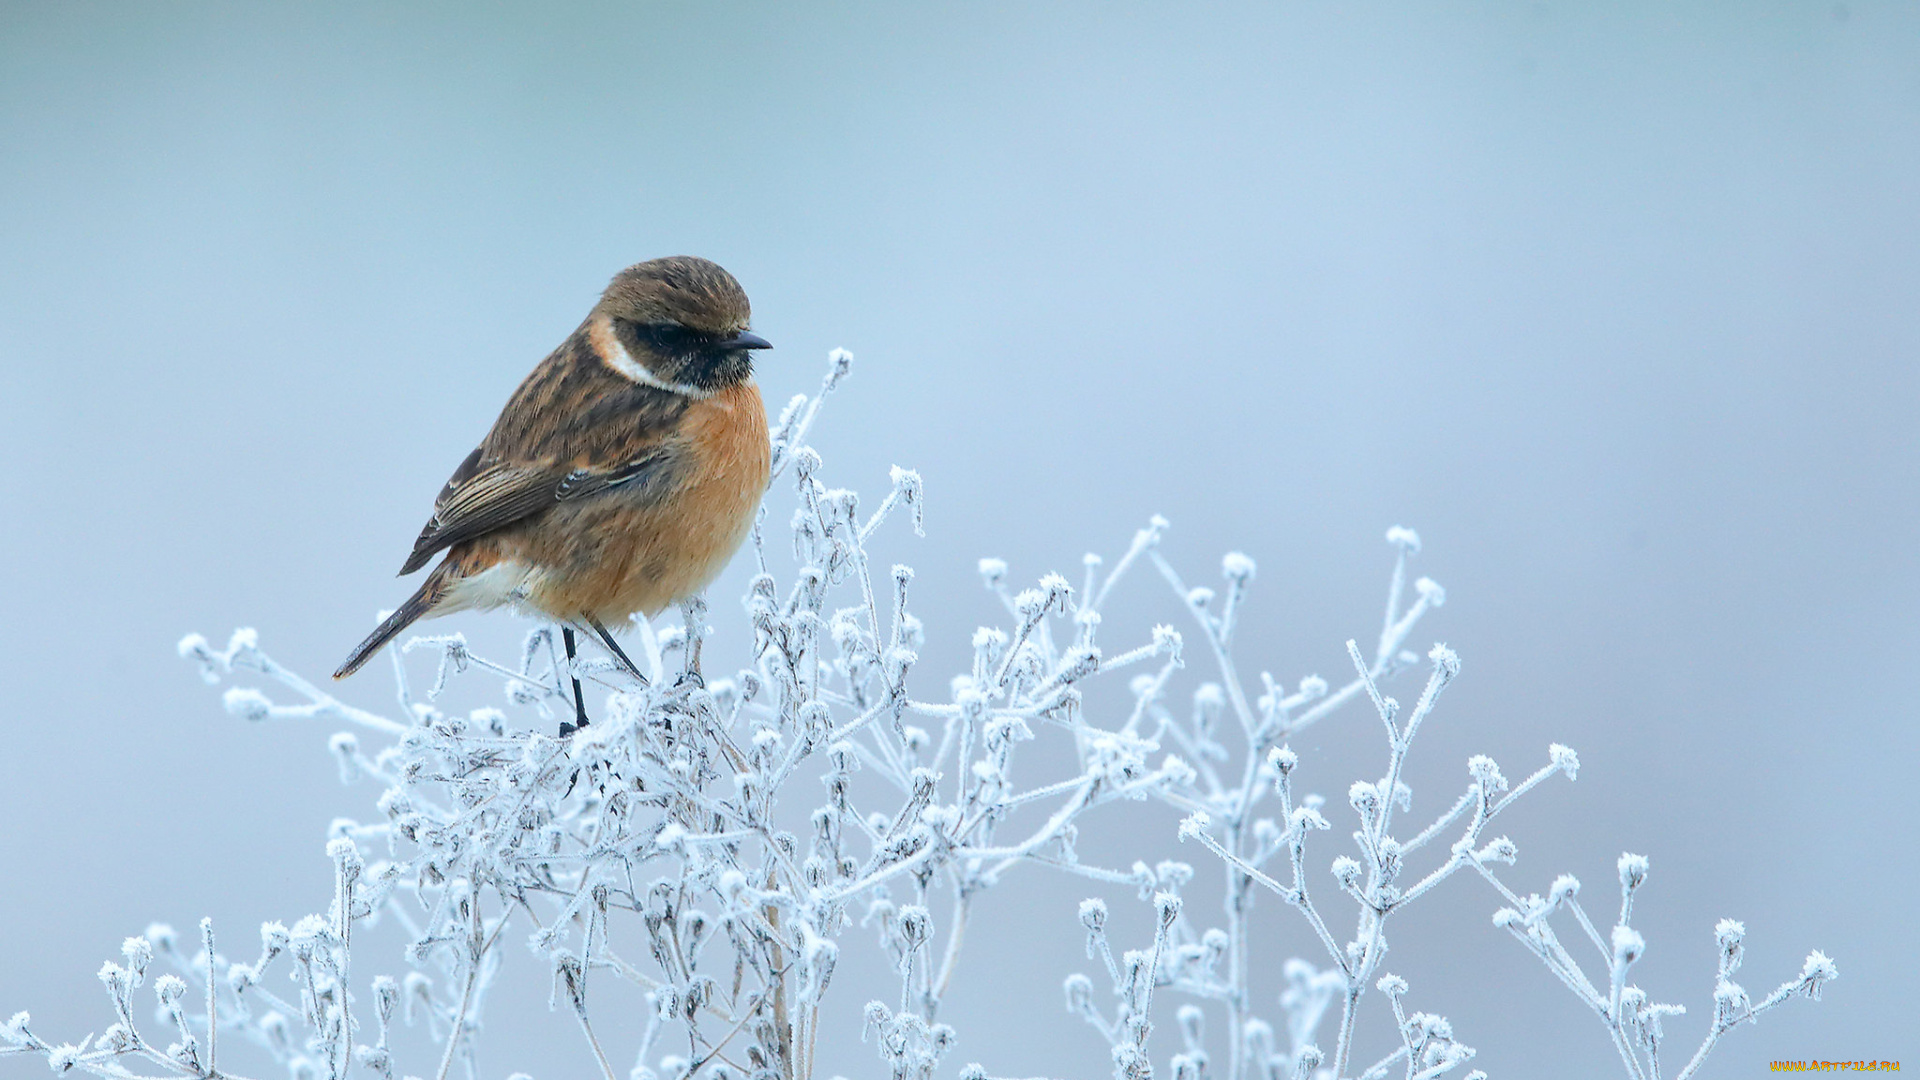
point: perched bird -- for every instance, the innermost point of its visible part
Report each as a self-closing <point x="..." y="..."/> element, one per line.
<point x="620" y="477"/>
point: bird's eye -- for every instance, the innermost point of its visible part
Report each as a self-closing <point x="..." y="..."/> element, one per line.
<point x="666" y="339"/>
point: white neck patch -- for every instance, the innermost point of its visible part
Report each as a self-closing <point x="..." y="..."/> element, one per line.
<point x="620" y="360"/>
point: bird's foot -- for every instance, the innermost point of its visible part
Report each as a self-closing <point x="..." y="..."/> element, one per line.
<point x="620" y="656"/>
<point x="689" y="680"/>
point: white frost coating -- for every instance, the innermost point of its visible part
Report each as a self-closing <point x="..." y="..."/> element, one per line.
<point x="739" y="832"/>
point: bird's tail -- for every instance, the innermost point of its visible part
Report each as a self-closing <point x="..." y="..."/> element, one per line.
<point x="420" y="603"/>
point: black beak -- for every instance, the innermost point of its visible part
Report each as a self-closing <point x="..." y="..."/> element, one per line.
<point x="744" y="340"/>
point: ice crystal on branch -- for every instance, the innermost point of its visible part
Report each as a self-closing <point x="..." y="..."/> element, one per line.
<point x="737" y="831"/>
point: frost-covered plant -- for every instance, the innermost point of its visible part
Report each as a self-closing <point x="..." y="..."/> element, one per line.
<point x="680" y="812"/>
<point x="1220" y="816"/>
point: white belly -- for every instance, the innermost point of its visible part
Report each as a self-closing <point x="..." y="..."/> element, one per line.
<point x="504" y="583"/>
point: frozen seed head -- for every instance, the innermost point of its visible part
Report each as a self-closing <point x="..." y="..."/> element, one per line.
<point x="1346" y="871"/>
<point x="1730" y="1000"/>
<point x="1431" y="592"/>
<point x="1500" y="850"/>
<point x="194" y="647"/>
<point x="1633" y="1001"/>
<point x="1209" y="698"/>
<point x="1815" y="973"/>
<point x="1236" y="567"/>
<point x="386" y="995"/>
<point x="1079" y="662"/>
<point x="916" y="924"/>
<point x="1486" y="773"/>
<point x="247" y="703"/>
<point x="1215" y="942"/>
<point x="1392" y="985"/>
<point x="1565" y="887"/>
<point x="162" y="937"/>
<point x="245" y="641"/>
<point x="843" y="504"/>
<point x="1628" y="945"/>
<point x="912" y="492"/>
<point x="993" y="572"/>
<point x="346" y="749"/>
<point x="1057" y="590"/>
<point x="1364" y="798"/>
<point x="1031" y="604"/>
<point x="1194" y="825"/>
<point x="1166" y="642"/>
<point x="1079" y="991"/>
<point x="1167" y="906"/>
<point x="1283" y="759"/>
<point x="1404" y="538"/>
<point x="1445" y="660"/>
<point x="138" y="952"/>
<point x="115" y="979"/>
<point x="1093" y="914"/>
<point x="1633" y="871"/>
<point x="816" y="720"/>
<point x="840" y="361"/>
<point x="169" y="989"/>
<point x="1729" y="935"/>
<point x="1564" y="759"/>
<point x="1193" y="1023"/>
<point x="1307" y="817"/>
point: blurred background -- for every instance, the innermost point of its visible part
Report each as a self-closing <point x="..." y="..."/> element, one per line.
<point x="1613" y="303"/>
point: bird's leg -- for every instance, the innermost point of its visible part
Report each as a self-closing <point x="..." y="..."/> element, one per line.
<point x="579" y="702"/>
<point x="619" y="654"/>
<point x="694" y="611"/>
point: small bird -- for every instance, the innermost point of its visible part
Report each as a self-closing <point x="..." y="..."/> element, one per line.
<point x="621" y="476"/>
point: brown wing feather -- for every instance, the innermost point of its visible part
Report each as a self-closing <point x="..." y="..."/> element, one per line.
<point x="573" y="429"/>
<point x="503" y="494"/>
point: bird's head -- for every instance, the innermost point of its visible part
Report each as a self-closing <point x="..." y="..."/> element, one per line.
<point x="684" y="320"/>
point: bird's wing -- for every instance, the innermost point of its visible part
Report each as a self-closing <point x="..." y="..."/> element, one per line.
<point x="483" y="496"/>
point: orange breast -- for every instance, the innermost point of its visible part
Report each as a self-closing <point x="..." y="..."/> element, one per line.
<point x="625" y="558"/>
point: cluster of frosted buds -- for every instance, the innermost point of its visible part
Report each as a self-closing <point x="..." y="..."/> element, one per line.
<point x="1631" y="1015"/>
<point x="1135" y="976"/>
<point x="910" y="1045"/>
<point x="1375" y="876"/>
<point x="1427" y="1045"/>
